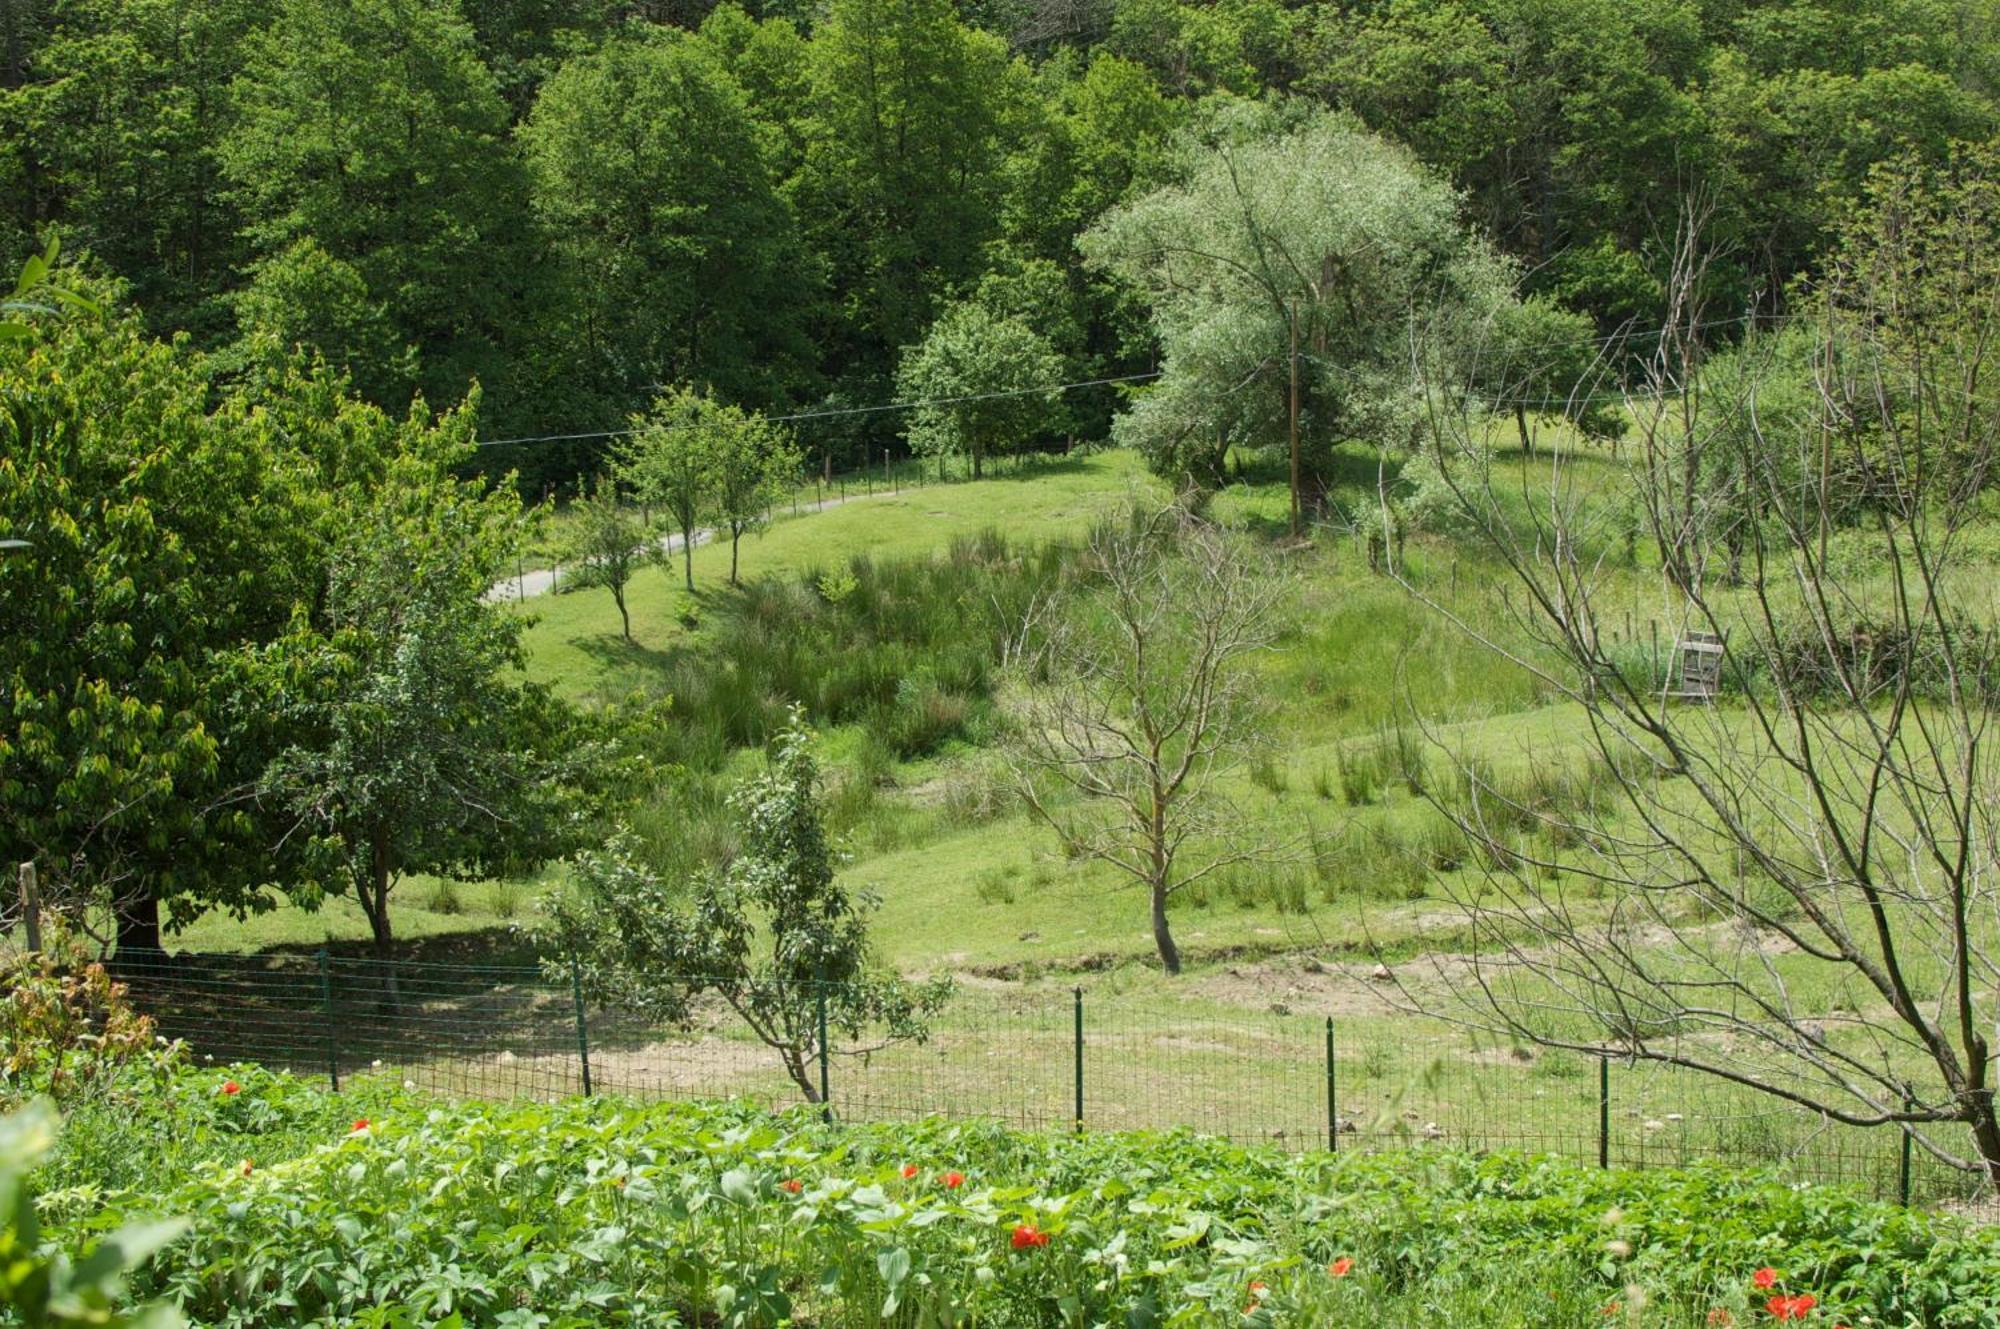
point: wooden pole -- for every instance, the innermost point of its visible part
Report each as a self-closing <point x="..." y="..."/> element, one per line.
<point x="31" y="907"/>
<point x="1295" y="418"/>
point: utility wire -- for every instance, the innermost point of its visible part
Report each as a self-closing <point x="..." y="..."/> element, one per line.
<point x="848" y="410"/>
<point x="1616" y="338"/>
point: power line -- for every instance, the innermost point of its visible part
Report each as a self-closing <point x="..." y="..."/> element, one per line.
<point x="847" y="410"/>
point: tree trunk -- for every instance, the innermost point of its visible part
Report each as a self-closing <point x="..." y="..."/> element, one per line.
<point x="687" y="556"/>
<point x="1163" y="937"/>
<point x="138" y="929"/>
<point x="735" y="538"/>
<point x="1521" y="423"/>
<point x="375" y="904"/>
<point x="977" y="458"/>
<point x="618" y="594"/>
<point x="800" y="1070"/>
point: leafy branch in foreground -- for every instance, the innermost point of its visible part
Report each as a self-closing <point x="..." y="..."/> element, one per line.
<point x="1804" y="877"/>
<point x="47" y="1289"/>
<point x="773" y="934"/>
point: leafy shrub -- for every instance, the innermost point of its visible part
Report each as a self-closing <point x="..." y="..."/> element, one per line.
<point x="67" y="1030"/>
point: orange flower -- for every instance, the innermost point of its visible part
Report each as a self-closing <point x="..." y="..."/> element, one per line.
<point x="360" y="1125"/>
<point x="1340" y="1268"/>
<point x="1027" y="1235"/>
<point x="248" y="1168"/>
<point x="952" y="1180"/>
<point x="1767" y="1277"/>
<point x="1791" y="1308"/>
<point x="1721" y="1318"/>
<point x="909" y="1170"/>
<point x="230" y="1088"/>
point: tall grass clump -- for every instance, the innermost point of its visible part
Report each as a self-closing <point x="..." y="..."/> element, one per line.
<point x="906" y="648"/>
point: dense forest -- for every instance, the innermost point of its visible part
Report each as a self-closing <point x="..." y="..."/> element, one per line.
<point x="575" y="203"/>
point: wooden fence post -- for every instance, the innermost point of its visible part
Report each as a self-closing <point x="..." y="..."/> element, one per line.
<point x="31" y="907"/>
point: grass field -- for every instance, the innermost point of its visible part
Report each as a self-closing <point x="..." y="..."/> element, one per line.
<point x="1366" y="867"/>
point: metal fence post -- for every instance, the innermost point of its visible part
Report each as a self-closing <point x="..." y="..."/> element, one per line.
<point x="327" y="1019"/>
<point x="825" y="1095"/>
<point x="1332" y="1109"/>
<point x="1603" y="1111"/>
<point x="582" y="1032"/>
<point x="1078" y="1007"/>
<point x="1903" y="1172"/>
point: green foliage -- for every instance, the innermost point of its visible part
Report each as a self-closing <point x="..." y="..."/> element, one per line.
<point x="369" y="150"/>
<point x="606" y="543"/>
<point x="164" y="534"/>
<point x="676" y="259"/>
<point x="569" y="1214"/>
<point x="415" y="751"/>
<point x="50" y="1291"/>
<point x="911" y="115"/>
<point x="1309" y="220"/>
<point x="982" y="370"/>
<point x="772" y="934"/>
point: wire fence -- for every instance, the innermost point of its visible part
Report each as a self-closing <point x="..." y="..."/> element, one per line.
<point x="1040" y="1058"/>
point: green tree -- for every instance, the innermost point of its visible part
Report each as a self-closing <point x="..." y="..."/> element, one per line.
<point x="372" y="130"/>
<point x="670" y="460"/>
<point x="1306" y="244"/>
<point x="164" y="533"/>
<point x="417" y="751"/>
<point x="912" y="114"/>
<point x="1538" y="358"/>
<point x="606" y="543"/>
<point x="754" y="463"/>
<point x="130" y="103"/>
<point x="980" y="377"/>
<point x="774" y="934"/>
<point x="678" y="259"/>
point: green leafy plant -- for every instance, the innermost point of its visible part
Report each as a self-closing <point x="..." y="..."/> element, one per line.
<point x="773" y="935"/>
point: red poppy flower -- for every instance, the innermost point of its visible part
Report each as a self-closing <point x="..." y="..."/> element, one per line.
<point x="1256" y="1286"/>
<point x="1791" y="1308"/>
<point x="1027" y="1235"/>
<point x="230" y="1088"/>
<point x="1765" y="1277"/>
<point x="1339" y="1268"/>
<point x="909" y="1170"/>
<point x="360" y="1124"/>
<point x="952" y="1180"/>
<point x="791" y="1184"/>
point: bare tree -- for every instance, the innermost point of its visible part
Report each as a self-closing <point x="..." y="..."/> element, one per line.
<point x="1137" y="702"/>
<point x="1796" y="889"/>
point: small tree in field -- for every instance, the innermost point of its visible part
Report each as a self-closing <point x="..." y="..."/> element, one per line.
<point x="979" y="375"/>
<point x="752" y="461"/>
<point x="418" y="751"/>
<point x="670" y="460"/>
<point x="1137" y="703"/>
<point x="773" y="934"/>
<point x="606" y="545"/>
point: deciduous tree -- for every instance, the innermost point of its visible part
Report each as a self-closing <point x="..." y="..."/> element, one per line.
<point x="772" y="933"/>
<point x="1137" y="702"/>
<point x="982" y="379"/>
